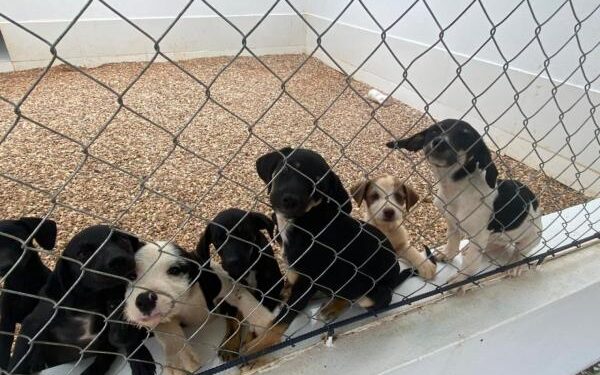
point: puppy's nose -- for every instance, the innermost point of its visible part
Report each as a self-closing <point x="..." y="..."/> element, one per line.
<point x="290" y="201"/>
<point x="388" y="214"/>
<point x="146" y="302"/>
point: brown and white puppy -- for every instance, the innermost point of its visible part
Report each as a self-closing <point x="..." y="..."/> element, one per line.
<point x="386" y="199"/>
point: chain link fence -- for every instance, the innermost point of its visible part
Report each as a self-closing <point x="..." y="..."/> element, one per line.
<point x="162" y="150"/>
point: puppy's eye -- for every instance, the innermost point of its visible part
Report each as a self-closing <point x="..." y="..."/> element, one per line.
<point x="175" y="271"/>
<point x="374" y="196"/>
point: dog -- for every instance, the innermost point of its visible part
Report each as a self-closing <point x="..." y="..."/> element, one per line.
<point x="495" y="215"/>
<point x="70" y="317"/>
<point x="386" y="197"/>
<point x="173" y="290"/>
<point x="327" y="250"/>
<point x="23" y="271"/>
<point x="248" y="258"/>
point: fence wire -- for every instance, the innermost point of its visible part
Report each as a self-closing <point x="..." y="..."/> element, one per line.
<point x="258" y="303"/>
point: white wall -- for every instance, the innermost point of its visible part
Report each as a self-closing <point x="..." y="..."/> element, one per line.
<point x="355" y="35"/>
<point x="100" y="36"/>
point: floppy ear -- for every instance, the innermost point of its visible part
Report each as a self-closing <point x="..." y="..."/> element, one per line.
<point x="335" y="190"/>
<point x="414" y="143"/>
<point x="261" y="221"/>
<point x="484" y="161"/>
<point x="203" y="247"/>
<point x="135" y="242"/>
<point x="46" y="234"/>
<point x="265" y="165"/>
<point x="359" y="190"/>
<point x="411" y="196"/>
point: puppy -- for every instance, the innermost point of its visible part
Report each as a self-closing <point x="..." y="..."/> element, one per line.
<point x="70" y="317"/>
<point x="173" y="290"/>
<point x="385" y="198"/>
<point x="247" y="258"/>
<point x="327" y="249"/>
<point x="23" y="271"/>
<point x="495" y="215"/>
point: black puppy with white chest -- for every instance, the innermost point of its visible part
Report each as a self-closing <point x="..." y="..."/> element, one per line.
<point x="24" y="272"/>
<point x="248" y="258"/>
<point x="245" y="252"/>
<point x="327" y="250"/>
<point x="94" y="268"/>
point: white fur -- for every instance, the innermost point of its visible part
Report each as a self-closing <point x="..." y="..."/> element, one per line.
<point x="178" y="303"/>
<point x="467" y="205"/>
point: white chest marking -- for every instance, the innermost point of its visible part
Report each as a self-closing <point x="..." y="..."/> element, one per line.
<point x="86" y="325"/>
<point x="282" y="224"/>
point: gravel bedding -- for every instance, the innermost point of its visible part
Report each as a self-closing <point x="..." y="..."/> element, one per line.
<point x="93" y="172"/>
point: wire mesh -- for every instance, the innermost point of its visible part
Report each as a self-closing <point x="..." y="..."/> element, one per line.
<point x="125" y="313"/>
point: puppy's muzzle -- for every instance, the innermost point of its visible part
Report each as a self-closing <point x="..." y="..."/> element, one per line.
<point x="146" y="302"/>
<point x="388" y="214"/>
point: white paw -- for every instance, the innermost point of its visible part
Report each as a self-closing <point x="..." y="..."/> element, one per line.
<point x="427" y="269"/>
<point x="517" y="271"/>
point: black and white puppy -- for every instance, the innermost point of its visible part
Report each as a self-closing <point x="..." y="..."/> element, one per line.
<point x="174" y="290"/>
<point x="71" y="316"/>
<point x="494" y="215"/>
<point x="327" y="250"/>
<point x="245" y="252"/>
<point x="248" y="258"/>
<point x="23" y="271"/>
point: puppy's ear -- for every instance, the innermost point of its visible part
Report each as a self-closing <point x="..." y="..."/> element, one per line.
<point x="414" y="143"/>
<point x="482" y="155"/>
<point x="203" y="247"/>
<point x="46" y="234"/>
<point x="260" y="221"/>
<point x="334" y="190"/>
<point x="359" y="190"/>
<point x="411" y="196"/>
<point x="135" y="242"/>
<point x="266" y="164"/>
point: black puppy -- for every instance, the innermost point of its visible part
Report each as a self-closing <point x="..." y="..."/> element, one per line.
<point x="248" y="258"/>
<point x="28" y="275"/>
<point x="93" y="269"/>
<point x="245" y="252"/>
<point x="328" y="250"/>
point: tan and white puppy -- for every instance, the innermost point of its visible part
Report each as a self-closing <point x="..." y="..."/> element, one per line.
<point x="172" y="292"/>
<point x="387" y="199"/>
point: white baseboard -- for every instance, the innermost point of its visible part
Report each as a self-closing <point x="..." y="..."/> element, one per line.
<point x="98" y="41"/>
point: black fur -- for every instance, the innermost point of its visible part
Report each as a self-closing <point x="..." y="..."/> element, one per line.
<point x="243" y="248"/>
<point x="108" y="256"/>
<point x="331" y="251"/>
<point x="28" y="276"/>
<point x="511" y="206"/>
<point x="443" y="140"/>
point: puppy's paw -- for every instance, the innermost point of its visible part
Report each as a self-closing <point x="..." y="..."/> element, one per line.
<point x="333" y="309"/>
<point x="427" y="269"/>
<point x="189" y="360"/>
<point x="517" y="271"/>
<point x="270" y="337"/>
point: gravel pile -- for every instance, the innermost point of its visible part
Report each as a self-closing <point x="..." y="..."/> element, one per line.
<point x="211" y="165"/>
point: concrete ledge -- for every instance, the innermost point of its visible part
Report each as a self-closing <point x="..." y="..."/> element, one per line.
<point x="545" y="322"/>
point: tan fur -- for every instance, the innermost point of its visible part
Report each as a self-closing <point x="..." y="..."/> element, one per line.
<point x="389" y="193"/>
<point x="270" y="337"/>
<point x="334" y="308"/>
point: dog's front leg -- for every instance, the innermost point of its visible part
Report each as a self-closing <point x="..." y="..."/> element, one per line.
<point x="253" y="312"/>
<point x="7" y="329"/>
<point x="452" y="247"/>
<point x="302" y="291"/>
<point x="472" y="255"/>
<point x="179" y="354"/>
<point x="426" y="267"/>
